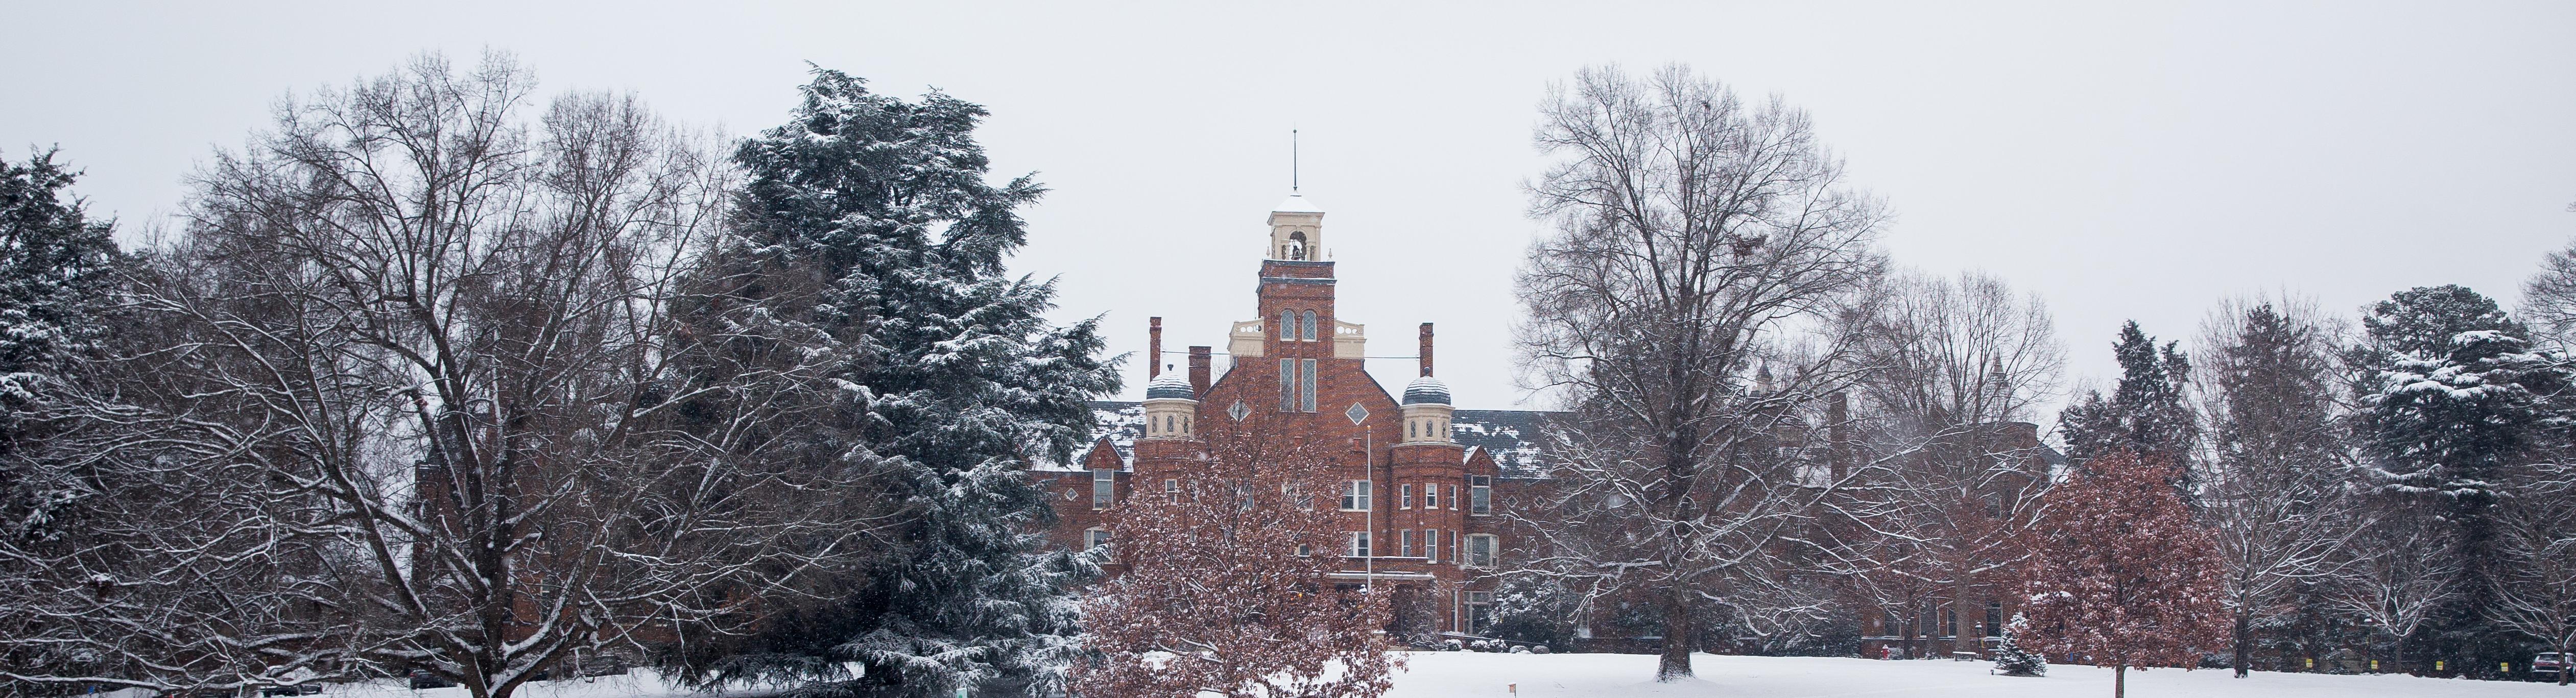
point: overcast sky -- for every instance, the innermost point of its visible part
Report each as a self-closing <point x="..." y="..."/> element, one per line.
<point x="2135" y="162"/>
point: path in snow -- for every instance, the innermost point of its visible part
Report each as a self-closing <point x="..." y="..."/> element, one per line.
<point x="1480" y="675"/>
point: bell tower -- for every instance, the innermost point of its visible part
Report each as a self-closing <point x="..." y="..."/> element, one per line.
<point x="1296" y="231"/>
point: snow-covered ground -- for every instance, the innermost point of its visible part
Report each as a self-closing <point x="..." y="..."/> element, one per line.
<point x="1480" y="675"/>
<point x="1471" y="675"/>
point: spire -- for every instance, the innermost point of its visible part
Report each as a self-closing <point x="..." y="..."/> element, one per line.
<point x="1292" y="161"/>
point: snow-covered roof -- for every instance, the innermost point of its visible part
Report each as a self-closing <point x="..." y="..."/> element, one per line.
<point x="1426" y="390"/>
<point x="1509" y="435"/>
<point x="1170" y="385"/>
<point x="1296" y="203"/>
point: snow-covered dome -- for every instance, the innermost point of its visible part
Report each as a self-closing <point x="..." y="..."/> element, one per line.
<point x="1170" y="385"/>
<point x="1426" y="390"/>
<point x="1296" y="203"/>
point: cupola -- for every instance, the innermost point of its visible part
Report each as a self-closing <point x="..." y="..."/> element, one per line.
<point x="1426" y="411"/>
<point x="1169" y="404"/>
<point x="1297" y="230"/>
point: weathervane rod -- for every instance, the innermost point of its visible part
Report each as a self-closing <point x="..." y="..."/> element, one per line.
<point x="1292" y="160"/>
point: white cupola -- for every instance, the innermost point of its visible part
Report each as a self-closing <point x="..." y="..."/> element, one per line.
<point x="1169" y="405"/>
<point x="1297" y="230"/>
<point x="1426" y="411"/>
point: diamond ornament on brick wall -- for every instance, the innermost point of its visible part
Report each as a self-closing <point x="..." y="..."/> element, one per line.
<point x="1356" y="413"/>
<point x="1238" y="411"/>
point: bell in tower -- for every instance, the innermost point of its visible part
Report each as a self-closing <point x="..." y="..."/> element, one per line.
<point x="1296" y="230"/>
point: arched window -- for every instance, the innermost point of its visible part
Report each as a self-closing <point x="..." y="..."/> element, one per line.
<point x="1297" y="246"/>
<point x="1310" y="325"/>
<point x="1288" y="325"/>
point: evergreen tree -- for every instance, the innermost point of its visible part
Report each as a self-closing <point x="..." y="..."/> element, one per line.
<point x="55" y="271"/>
<point x="2145" y="414"/>
<point x="867" y="232"/>
<point x="2011" y="659"/>
<point x="2454" y="400"/>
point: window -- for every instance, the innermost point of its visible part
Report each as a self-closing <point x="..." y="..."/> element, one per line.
<point x="1452" y="557"/>
<point x="1404" y="538"/>
<point x="1308" y="326"/>
<point x="1303" y="551"/>
<point x="1296" y="247"/>
<point x="1287" y="385"/>
<point x="1994" y="619"/>
<point x="1480" y="611"/>
<point x="1431" y="545"/>
<point x="1480" y="550"/>
<point x="1453" y="497"/>
<point x="1430" y="496"/>
<point x="1355" y="496"/>
<point x="1171" y="489"/>
<point x="1359" y="544"/>
<point x="1287" y="325"/>
<point x="1104" y="488"/>
<point x="1480" y="495"/>
<point x="1995" y="506"/>
<point x="1307" y="403"/>
<point x="1288" y="493"/>
<point x="1095" y="538"/>
<point x="1404" y="496"/>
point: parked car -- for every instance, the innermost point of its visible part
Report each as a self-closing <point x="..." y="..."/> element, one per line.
<point x="421" y="678"/>
<point x="2547" y="665"/>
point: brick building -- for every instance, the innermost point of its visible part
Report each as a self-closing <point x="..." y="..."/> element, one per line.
<point x="1418" y="477"/>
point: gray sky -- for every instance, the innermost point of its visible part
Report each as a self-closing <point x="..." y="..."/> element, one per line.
<point x="2137" y="162"/>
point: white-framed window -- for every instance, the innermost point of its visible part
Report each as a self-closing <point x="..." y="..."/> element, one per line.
<point x="1480" y="549"/>
<point x="1094" y="538"/>
<point x="1404" y="541"/>
<point x="1430" y="496"/>
<point x="1171" y="488"/>
<point x="1104" y="488"/>
<point x="1431" y="545"/>
<point x="1452" y="557"/>
<point x="1404" y="496"/>
<point x="1480" y="495"/>
<point x="1453" y="497"/>
<point x="1355" y="496"/>
<point x="1287" y="385"/>
<point x="1359" y="544"/>
<point x="1303" y="551"/>
<point x="1480" y="611"/>
<point x="1306" y="402"/>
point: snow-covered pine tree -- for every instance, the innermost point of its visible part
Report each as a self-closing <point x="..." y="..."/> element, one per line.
<point x="2011" y="659"/>
<point x="868" y="232"/>
<point x="2119" y="573"/>
<point x="2145" y="414"/>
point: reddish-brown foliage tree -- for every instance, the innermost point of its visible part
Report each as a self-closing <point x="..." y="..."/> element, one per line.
<point x="1215" y="597"/>
<point x="2119" y="575"/>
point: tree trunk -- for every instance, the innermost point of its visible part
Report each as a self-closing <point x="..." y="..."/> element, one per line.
<point x="2120" y="681"/>
<point x="1675" y="664"/>
<point x="2244" y="641"/>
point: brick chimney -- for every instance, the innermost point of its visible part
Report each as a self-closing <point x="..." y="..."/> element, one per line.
<point x="1426" y="348"/>
<point x="1153" y="348"/>
<point x="1199" y="360"/>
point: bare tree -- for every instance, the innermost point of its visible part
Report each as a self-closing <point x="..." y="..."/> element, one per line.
<point x="1227" y="586"/>
<point x="2398" y="575"/>
<point x="2274" y="488"/>
<point x="2549" y="298"/>
<point x="1938" y="519"/>
<point x="429" y="342"/>
<point x="2536" y="592"/>
<point x="1699" y="242"/>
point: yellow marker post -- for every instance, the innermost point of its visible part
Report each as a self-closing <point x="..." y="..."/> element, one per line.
<point x="2312" y="662"/>
<point x="2437" y="665"/>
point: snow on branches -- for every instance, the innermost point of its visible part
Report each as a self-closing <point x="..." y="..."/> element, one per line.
<point x="1227" y="585"/>
<point x="2120" y="576"/>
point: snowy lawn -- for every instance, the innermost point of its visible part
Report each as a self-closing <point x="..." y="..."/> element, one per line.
<point x="1482" y="675"/>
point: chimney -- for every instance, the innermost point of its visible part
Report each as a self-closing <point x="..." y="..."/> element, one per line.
<point x="1199" y="359"/>
<point x="1426" y="348"/>
<point x="1153" y="347"/>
